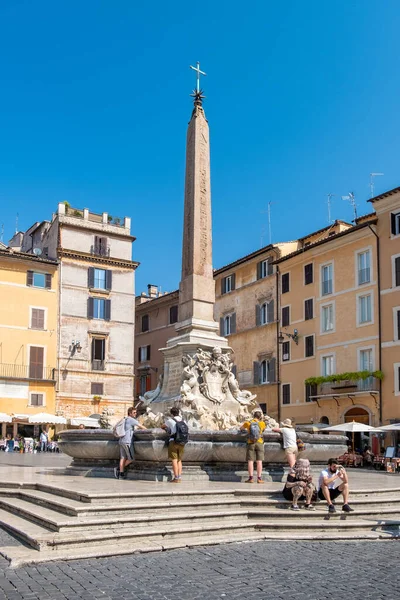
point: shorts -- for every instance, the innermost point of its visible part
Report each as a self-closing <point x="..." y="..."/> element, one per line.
<point x="175" y="451"/>
<point x="255" y="451"/>
<point x="334" y="493"/>
<point x="291" y="450"/>
<point x="126" y="451"/>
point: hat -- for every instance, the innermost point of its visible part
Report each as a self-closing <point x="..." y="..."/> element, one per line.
<point x="287" y="423"/>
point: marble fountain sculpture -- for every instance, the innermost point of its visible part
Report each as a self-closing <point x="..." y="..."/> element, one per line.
<point x="197" y="374"/>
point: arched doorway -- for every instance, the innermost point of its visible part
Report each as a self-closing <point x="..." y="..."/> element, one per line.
<point x="324" y="420"/>
<point x="357" y="413"/>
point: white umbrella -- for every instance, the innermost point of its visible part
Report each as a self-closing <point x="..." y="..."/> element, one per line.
<point x="353" y="427"/>
<point x="46" y="418"/>
<point x="5" y="418"/>
<point x="392" y="427"/>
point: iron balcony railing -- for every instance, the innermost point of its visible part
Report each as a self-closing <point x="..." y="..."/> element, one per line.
<point x="348" y="386"/>
<point x="100" y="250"/>
<point x="98" y="365"/>
<point x="34" y="372"/>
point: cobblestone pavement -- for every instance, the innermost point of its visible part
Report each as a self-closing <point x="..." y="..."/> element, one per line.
<point x="259" y="570"/>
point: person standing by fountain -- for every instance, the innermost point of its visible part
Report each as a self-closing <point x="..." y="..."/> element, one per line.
<point x="178" y="436"/>
<point x="126" y="443"/>
<point x="255" y="445"/>
<point x="289" y="440"/>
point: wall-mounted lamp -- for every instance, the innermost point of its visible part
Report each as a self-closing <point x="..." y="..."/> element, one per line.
<point x="76" y="346"/>
<point x="293" y="336"/>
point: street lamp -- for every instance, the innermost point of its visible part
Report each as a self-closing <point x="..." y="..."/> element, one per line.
<point x="293" y="336"/>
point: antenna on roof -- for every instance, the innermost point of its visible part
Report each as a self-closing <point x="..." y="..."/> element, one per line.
<point x="372" y="183"/>
<point x="352" y="200"/>
<point x="16" y="223"/>
<point x="2" y="233"/>
<point x="268" y="212"/>
<point x="330" y="196"/>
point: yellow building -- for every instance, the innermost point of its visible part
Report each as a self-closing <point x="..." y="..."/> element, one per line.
<point x="28" y="338"/>
<point x="329" y="327"/>
<point x="387" y="208"/>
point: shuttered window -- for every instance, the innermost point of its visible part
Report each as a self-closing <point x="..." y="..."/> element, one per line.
<point x="398" y="325"/>
<point x="395" y="223"/>
<point x="40" y="280"/>
<point x="285" y="351"/>
<point x="285" y="316"/>
<point x="99" y="308"/>
<point x="310" y="390"/>
<point x="397" y="271"/>
<point x="264" y="371"/>
<point x="145" y="323"/>
<point x="309" y="345"/>
<point x="36" y="400"/>
<point x="308" y="274"/>
<point x="37" y="318"/>
<point x="308" y="309"/>
<point x="264" y="268"/>
<point x="100" y="279"/>
<point x="97" y="389"/>
<point x="36" y="357"/>
<point x="228" y="284"/>
<point x="144" y="353"/>
<point x="285" y="283"/>
<point x="286" y="393"/>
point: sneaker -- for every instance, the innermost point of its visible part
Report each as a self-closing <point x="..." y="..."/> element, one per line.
<point x="346" y="508"/>
<point x="309" y="507"/>
<point x="249" y="480"/>
<point x="116" y="473"/>
<point x="331" y="509"/>
<point x="174" y="481"/>
<point x="259" y="480"/>
<point x="294" y="507"/>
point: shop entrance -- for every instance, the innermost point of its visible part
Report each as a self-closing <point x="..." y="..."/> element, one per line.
<point x="360" y="415"/>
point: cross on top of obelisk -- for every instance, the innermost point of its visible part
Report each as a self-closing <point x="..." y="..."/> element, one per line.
<point x="197" y="92"/>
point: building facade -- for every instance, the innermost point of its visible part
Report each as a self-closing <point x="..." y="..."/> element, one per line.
<point x="387" y="208"/>
<point x="329" y="327"/>
<point x="28" y="338"/>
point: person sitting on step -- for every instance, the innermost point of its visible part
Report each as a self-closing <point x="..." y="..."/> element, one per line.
<point x="299" y="485"/>
<point x="334" y="481"/>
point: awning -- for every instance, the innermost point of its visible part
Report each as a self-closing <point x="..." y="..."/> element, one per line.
<point x="85" y="421"/>
<point x="5" y="418"/>
<point x="46" y="418"/>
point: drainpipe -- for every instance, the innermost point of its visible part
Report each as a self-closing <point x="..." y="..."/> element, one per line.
<point x="278" y="364"/>
<point x="378" y="272"/>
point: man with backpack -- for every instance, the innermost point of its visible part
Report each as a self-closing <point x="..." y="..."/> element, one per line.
<point x="255" y="445"/>
<point x="178" y="437"/>
<point x="124" y="431"/>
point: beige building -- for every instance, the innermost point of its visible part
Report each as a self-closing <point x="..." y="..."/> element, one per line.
<point x="329" y="326"/>
<point x="387" y="208"/>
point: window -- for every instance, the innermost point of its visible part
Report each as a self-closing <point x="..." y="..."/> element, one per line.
<point x="308" y="309"/>
<point x="285" y="316"/>
<point x="265" y="313"/>
<point x="286" y="393"/>
<point x="100" y="246"/>
<point x="395" y="223"/>
<point x="264" y="268"/>
<point x="285" y="283"/>
<point x="40" y="280"/>
<point x="37" y="318"/>
<point x="396" y="273"/>
<point x="36" y="359"/>
<point x="397" y="324"/>
<point x="327" y="318"/>
<point x="366" y="360"/>
<point x="264" y="371"/>
<point x="263" y="407"/>
<point x="98" y="353"/>
<point x="36" y="400"/>
<point x="311" y="390"/>
<point x="97" y="389"/>
<point x="99" y="308"/>
<point x="143" y="384"/>
<point x="286" y="351"/>
<point x="229" y="324"/>
<point x="99" y="279"/>
<point x="365" y="309"/>
<point x="228" y="284"/>
<point x="145" y="323"/>
<point x="144" y="353"/>
<point x="327" y="365"/>
<point x="309" y="345"/>
<point x="364" y="267"/>
<point x="173" y="314"/>
<point x="396" y="367"/>
<point x="326" y="279"/>
<point x="308" y="274"/>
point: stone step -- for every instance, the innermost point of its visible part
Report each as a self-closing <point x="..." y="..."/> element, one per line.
<point x="365" y="502"/>
<point x="26" y="531"/>
<point x="260" y="490"/>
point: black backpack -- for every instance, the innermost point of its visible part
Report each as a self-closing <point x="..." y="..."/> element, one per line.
<point x="181" y="435"/>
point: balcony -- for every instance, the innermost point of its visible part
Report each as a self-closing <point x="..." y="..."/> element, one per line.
<point x="98" y="365"/>
<point x="347" y="387"/>
<point x="100" y="250"/>
<point x="29" y="372"/>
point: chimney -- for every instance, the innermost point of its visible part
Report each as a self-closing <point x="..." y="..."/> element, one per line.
<point x="152" y="290"/>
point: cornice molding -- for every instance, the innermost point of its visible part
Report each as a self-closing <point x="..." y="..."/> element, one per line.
<point x="105" y="260"/>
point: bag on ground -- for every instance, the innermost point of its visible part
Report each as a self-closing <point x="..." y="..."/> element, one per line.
<point x="119" y="428"/>
<point x="254" y="432"/>
<point x="300" y="445"/>
<point x="181" y="435"/>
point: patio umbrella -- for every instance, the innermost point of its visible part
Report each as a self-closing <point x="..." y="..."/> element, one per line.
<point x="352" y="427"/>
<point x="392" y="427"/>
<point x="5" y="418"/>
<point x="41" y="418"/>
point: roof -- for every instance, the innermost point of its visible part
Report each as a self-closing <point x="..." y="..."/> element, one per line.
<point x="325" y="240"/>
<point x="166" y="296"/>
<point x="244" y="259"/>
<point x="26" y="256"/>
<point x="337" y="222"/>
<point x="368" y="217"/>
<point x="385" y="195"/>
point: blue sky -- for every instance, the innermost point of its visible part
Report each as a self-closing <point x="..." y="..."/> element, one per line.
<point x="302" y="100"/>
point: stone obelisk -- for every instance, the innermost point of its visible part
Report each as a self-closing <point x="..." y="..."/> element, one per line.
<point x="196" y="327"/>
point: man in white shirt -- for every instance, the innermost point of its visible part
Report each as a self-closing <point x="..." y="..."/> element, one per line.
<point x="175" y="449"/>
<point x="333" y="481"/>
<point x="289" y="441"/>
